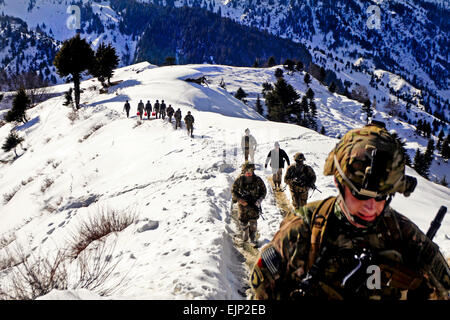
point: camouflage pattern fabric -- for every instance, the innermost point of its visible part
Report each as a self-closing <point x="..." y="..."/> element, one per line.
<point x="177" y="119"/>
<point x="299" y="191"/>
<point x="354" y="152"/>
<point x="250" y="190"/>
<point x="299" y="198"/>
<point x="412" y="268"/>
<point x="189" y="120"/>
<point x="254" y="189"/>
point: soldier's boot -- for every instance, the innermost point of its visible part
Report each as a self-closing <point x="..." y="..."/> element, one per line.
<point x="245" y="234"/>
<point x="244" y="228"/>
<point x="253" y="227"/>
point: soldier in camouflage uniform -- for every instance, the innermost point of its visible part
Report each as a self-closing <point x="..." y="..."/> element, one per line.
<point x="326" y="248"/>
<point x="156" y="109"/>
<point x="177" y="119"/>
<point x="248" y="191"/>
<point x="300" y="178"/>
<point x="189" y="120"/>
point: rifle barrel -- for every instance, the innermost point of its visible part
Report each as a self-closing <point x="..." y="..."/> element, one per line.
<point x="436" y="223"/>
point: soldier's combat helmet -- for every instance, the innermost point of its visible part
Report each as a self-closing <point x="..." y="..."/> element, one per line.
<point x="370" y="162"/>
<point x="299" y="157"/>
<point x="247" y="166"/>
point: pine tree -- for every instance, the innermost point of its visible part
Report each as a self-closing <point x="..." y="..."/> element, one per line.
<point x="332" y="87"/>
<point x="169" y="61"/>
<point x="289" y="65"/>
<point x="20" y="104"/>
<point x="271" y="62"/>
<point x="282" y="101"/>
<point x="420" y="164"/>
<point x="74" y="57"/>
<point x="312" y="115"/>
<point x="310" y="94"/>
<point x="12" y="141"/>
<point x="299" y="66"/>
<point x="307" y="79"/>
<point x="278" y="73"/>
<point x="367" y="109"/>
<point x="445" y="149"/>
<point x="266" y="88"/>
<point x="241" y="95"/>
<point x="322" y="74"/>
<point x="259" y="107"/>
<point x="106" y="60"/>
<point x="302" y="112"/>
<point x="428" y="156"/>
<point x="440" y="139"/>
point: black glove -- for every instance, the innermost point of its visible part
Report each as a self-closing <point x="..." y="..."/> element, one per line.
<point x="265" y="166"/>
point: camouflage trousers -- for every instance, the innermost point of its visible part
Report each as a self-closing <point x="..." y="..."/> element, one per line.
<point x="299" y="196"/>
<point x="248" y="222"/>
<point x="177" y="123"/>
<point x="190" y="129"/>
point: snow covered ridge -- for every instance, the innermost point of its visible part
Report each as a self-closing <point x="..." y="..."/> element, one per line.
<point x="177" y="189"/>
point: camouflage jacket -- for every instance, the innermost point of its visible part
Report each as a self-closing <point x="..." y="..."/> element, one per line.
<point x="300" y="176"/>
<point x="189" y="119"/>
<point x="254" y="190"/>
<point x="178" y="114"/>
<point x="411" y="266"/>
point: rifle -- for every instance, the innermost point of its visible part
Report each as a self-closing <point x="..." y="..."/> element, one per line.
<point x="247" y="197"/>
<point x="364" y="257"/>
<point x="314" y="188"/>
<point x="436" y="223"/>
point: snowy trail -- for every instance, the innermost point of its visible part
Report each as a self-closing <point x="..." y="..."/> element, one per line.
<point x="181" y="244"/>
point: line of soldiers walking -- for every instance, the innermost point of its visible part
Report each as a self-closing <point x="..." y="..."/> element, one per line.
<point x="352" y="246"/>
<point x="249" y="190"/>
<point x="159" y="110"/>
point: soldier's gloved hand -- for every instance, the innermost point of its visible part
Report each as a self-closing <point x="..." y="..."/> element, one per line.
<point x="258" y="202"/>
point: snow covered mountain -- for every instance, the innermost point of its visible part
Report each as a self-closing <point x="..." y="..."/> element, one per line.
<point x="172" y="192"/>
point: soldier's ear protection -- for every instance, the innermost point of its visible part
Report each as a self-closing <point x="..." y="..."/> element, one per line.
<point x="409" y="186"/>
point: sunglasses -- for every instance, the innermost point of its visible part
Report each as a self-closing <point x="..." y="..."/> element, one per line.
<point x="364" y="198"/>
